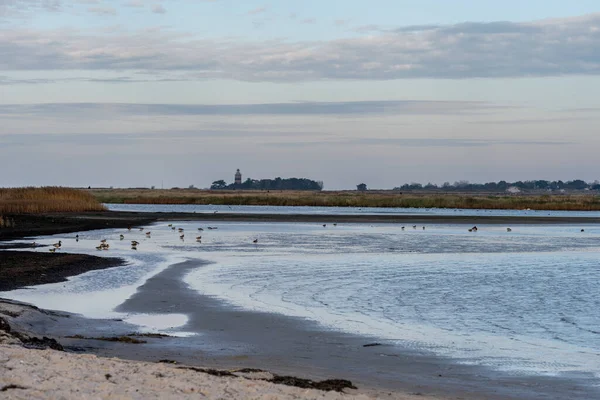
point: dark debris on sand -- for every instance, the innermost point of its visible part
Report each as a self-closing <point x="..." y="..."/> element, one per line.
<point x="328" y="385"/>
<point x="30" y="342"/>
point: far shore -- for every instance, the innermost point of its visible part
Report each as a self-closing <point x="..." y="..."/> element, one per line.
<point x="572" y="201"/>
<point x="29" y="225"/>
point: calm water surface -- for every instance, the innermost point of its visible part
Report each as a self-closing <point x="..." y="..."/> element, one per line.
<point x="525" y="301"/>
<point x="199" y="208"/>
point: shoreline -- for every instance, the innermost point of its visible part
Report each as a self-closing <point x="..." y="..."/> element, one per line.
<point x="236" y="338"/>
<point x="231" y="338"/>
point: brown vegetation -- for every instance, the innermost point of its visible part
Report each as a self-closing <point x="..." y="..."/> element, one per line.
<point x="583" y="202"/>
<point x="32" y="200"/>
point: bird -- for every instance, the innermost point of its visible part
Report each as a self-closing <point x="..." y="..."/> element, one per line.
<point x="57" y="245"/>
<point x="200" y="229"/>
<point x="134" y="242"/>
<point x="402" y="228"/>
<point x="582" y="230"/>
<point x="148" y="233"/>
<point x="334" y="224"/>
<point x="198" y="237"/>
<point x="133" y="247"/>
<point x="52" y="250"/>
<point x="173" y="228"/>
<point x="103" y="241"/>
<point x="128" y="228"/>
<point x="181" y="237"/>
<point x="324" y="225"/>
<point x="170" y="225"/>
<point x="423" y="228"/>
<point x="414" y="227"/>
<point x="180" y="229"/>
<point x="474" y="229"/>
<point x="255" y="241"/>
<point x="470" y="229"/>
<point x="508" y="230"/>
<point x="141" y="229"/>
<point x="99" y="247"/>
<point x="121" y="237"/>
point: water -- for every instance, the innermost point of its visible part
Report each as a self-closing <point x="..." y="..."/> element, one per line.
<point x="209" y="209"/>
<point x="524" y="301"/>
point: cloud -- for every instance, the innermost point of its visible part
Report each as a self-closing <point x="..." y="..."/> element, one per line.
<point x="298" y="108"/>
<point x="419" y="142"/>
<point x="110" y="11"/>
<point x="12" y="7"/>
<point x="159" y="9"/>
<point x="258" y="10"/>
<point x="558" y="47"/>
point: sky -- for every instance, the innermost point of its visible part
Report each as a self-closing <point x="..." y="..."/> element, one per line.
<point x="173" y="93"/>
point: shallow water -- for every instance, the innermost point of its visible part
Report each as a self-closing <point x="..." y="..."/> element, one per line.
<point x="525" y="301"/>
<point x="209" y="209"/>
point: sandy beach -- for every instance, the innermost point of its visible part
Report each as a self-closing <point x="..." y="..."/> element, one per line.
<point x="228" y="339"/>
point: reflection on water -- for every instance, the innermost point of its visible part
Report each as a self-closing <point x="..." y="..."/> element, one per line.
<point x="200" y="208"/>
<point x="523" y="301"/>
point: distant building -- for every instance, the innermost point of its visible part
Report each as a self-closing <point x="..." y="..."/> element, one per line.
<point x="238" y="177"/>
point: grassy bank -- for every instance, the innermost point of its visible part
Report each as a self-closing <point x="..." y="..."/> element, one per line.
<point x="348" y="199"/>
<point x="46" y="199"/>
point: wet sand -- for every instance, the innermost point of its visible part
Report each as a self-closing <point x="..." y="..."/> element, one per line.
<point x="233" y="338"/>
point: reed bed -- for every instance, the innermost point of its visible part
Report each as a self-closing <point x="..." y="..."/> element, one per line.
<point x="31" y="200"/>
<point x="581" y="202"/>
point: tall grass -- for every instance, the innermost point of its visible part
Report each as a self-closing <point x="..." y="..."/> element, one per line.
<point x="32" y="200"/>
<point x="351" y="199"/>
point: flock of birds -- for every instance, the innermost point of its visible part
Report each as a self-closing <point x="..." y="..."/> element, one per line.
<point x="104" y="245"/>
<point x="134" y="243"/>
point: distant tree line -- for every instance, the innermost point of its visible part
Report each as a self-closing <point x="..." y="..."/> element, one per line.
<point x="270" y="184"/>
<point x="501" y="186"/>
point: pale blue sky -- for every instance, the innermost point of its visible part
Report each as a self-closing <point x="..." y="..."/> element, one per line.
<point x="380" y="91"/>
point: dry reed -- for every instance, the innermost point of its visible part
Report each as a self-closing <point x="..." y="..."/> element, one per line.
<point x="32" y="200"/>
<point x="583" y="202"/>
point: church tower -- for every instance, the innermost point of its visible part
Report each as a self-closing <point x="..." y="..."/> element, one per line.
<point x="238" y="177"/>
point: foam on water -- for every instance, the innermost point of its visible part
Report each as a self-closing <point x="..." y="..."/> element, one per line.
<point x="524" y="301"/>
